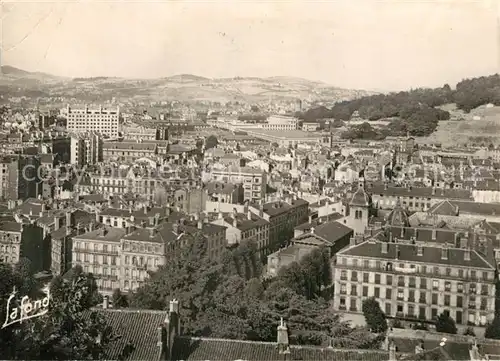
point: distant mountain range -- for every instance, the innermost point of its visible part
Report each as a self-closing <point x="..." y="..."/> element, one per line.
<point x="182" y="87"/>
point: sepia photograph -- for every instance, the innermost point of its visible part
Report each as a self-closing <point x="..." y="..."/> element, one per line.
<point x="264" y="180"/>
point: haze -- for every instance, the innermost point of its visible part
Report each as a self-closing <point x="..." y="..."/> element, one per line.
<point x="353" y="44"/>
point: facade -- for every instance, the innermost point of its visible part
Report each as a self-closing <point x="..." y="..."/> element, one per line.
<point x="128" y="151"/>
<point x="416" y="281"/>
<point x="86" y="149"/>
<point x="101" y="120"/>
<point x="254" y="181"/>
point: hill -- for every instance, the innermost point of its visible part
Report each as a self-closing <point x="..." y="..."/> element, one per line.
<point x="182" y="87"/>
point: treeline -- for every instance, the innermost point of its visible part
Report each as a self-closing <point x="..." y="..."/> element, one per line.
<point x="471" y="93"/>
<point x="230" y="299"/>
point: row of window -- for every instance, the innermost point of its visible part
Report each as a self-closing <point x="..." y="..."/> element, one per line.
<point x="436" y="270"/>
<point x="414" y="282"/>
<point x="418" y="297"/>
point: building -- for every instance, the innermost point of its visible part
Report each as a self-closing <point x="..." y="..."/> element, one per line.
<point x="254" y="181"/>
<point x="86" y="149"/>
<point x="283" y="216"/>
<point x="224" y="192"/>
<point x="245" y="227"/>
<point x="100" y="120"/>
<point x="416" y="281"/>
<point x="281" y="122"/>
<point x="23" y="177"/>
<point x="128" y="151"/>
<point x="19" y="240"/>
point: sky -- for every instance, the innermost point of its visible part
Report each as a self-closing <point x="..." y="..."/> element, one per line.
<point x="362" y="44"/>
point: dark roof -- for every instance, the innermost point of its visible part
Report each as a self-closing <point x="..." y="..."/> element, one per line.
<point x="138" y="327"/>
<point x="398" y="217"/>
<point x="426" y="192"/>
<point x="444" y="208"/>
<point x="194" y="348"/>
<point x="408" y="253"/>
<point x="360" y="198"/>
<point x="11" y="227"/>
<point x="332" y="231"/>
<point x="477" y="208"/>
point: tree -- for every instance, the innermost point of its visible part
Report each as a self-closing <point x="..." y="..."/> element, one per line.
<point x="469" y="331"/>
<point x="62" y="333"/>
<point x="119" y="299"/>
<point x="445" y="323"/>
<point x="493" y="329"/>
<point x="374" y="317"/>
<point x="211" y="142"/>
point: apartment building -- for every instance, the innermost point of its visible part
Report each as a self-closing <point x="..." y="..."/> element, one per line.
<point x="128" y="151"/>
<point x="254" y="181"/>
<point x="283" y="216"/>
<point x="245" y="227"/>
<point x="23" y="177"/>
<point x="10" y="242"/>
<point x="86" y="149"/>
<point x="415" y="281"/>
<point x="101" y="120"/>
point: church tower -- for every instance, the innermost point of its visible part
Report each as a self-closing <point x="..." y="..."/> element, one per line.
<point x="359" y="209"/>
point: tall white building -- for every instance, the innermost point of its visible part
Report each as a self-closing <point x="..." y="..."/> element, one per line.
<point x="86" y="149"/>
<point x="281" y="122"/>
<point x="101" y="120"/>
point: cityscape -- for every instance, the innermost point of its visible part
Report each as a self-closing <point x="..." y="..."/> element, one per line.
<point x="246" y="217"/>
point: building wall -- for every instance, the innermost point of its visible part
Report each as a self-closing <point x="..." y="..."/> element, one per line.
<point x="103" y="121"/>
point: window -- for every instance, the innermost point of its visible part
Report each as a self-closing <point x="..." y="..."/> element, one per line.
<point x="411" y="310"/>
<point x="484" y="302"/>
<point x="401" y="281"/>
<point x="460" y="287"/>
<point x="366" y="264"/>
<point x="401" y="294"/>
<point x="411" y="296"/>
<point x="473" y="274"/>
<point x="485" y="275"/>
<point x="435" y="284"/>
<point x="459" y="301"/>
<point x="484" y="289"/>
<point x="448" y="271"/>
<point x="388" y="309"/>
<point x="343" y="289"/>
<point x="353" y="305"/>
<point x="447" y="286"/>
<point x="436" y="270"/>
<point x="388" y="279"/>
<point x="365" y="277"/>
<point x="423" y="283"/>
<point x="422" y="297"/>
<point x="460" y="273"/>
<point x="354" y="275"/>
<point x="472" y="302"/>
<point x="388" y="293"/>
<point x="399" y="308"/>
<point x="377" y="292"/>
<point x="365" y="291"/>
<point x="472" y="288"/>
<point x="434" y="313"/>
<point x="343" y="273"/>
<point x="421" y="313"/>
<point x="342" y="303"/>
<point x="377" y="278"/>
<point x="434" y="298"/>
<point x="458" y="317"/>
<point x="446" y="300"/>
<point x="354" y="290"/>
<point x="411" y="282"/>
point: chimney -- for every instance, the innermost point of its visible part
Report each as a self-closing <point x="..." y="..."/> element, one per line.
<point x="68" y="231"/>
<point x="235" y="221"/>
<point x="160" y="336"/>
<point x="282" y="337"/>
<point x="220" y="215"/>
<point x="385" y="247"/>
<point x="352" y="241"/>
<point x="200" y="224"/>
<point x="249" y="215"/>
<point x="433" y="191"/>
<point x="145" y="209"/>
<point x="444" y="253"/>
<point x="97" y="217"/>
<point x="434" y="231"/>
<point x="402" y="232"/>
<point x="152" y="232"/>
<point x="312" y="230"/>
<point x="467" y="254"/>
<point x="68" y="219"/>
<point x="196" y="216"/>
<point x="310" y="219"/>
<point x="56" y="222"/>
<point x="261" y="210"/>
<point x="420" y="250"/>
<point x="397" y="251"/>
<point x="105" y="302"/>
<point x="175" y="228"/>
<point x="43" y="207"/>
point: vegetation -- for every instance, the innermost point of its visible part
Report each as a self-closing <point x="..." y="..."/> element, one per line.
<point x="63" y="332"/>
<point x="374" y="316"/>
<point x="229" y="299"/>
<point x="446" y="324"/>
<point x="469" y="331"/>
<point x="119" y="299"/>
<point x="211" y="142"/>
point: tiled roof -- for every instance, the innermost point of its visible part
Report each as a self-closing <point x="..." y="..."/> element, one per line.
<point x="332" y="231"/>
<point x="11" y="227"/>
<point x="137" y="327"/>
<point x="477" y="208"/>
<point x="221" y="349"/>
<point x="105" y="234"/>
<point x="408" y="253"/>
<point x="426" y="192"/>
